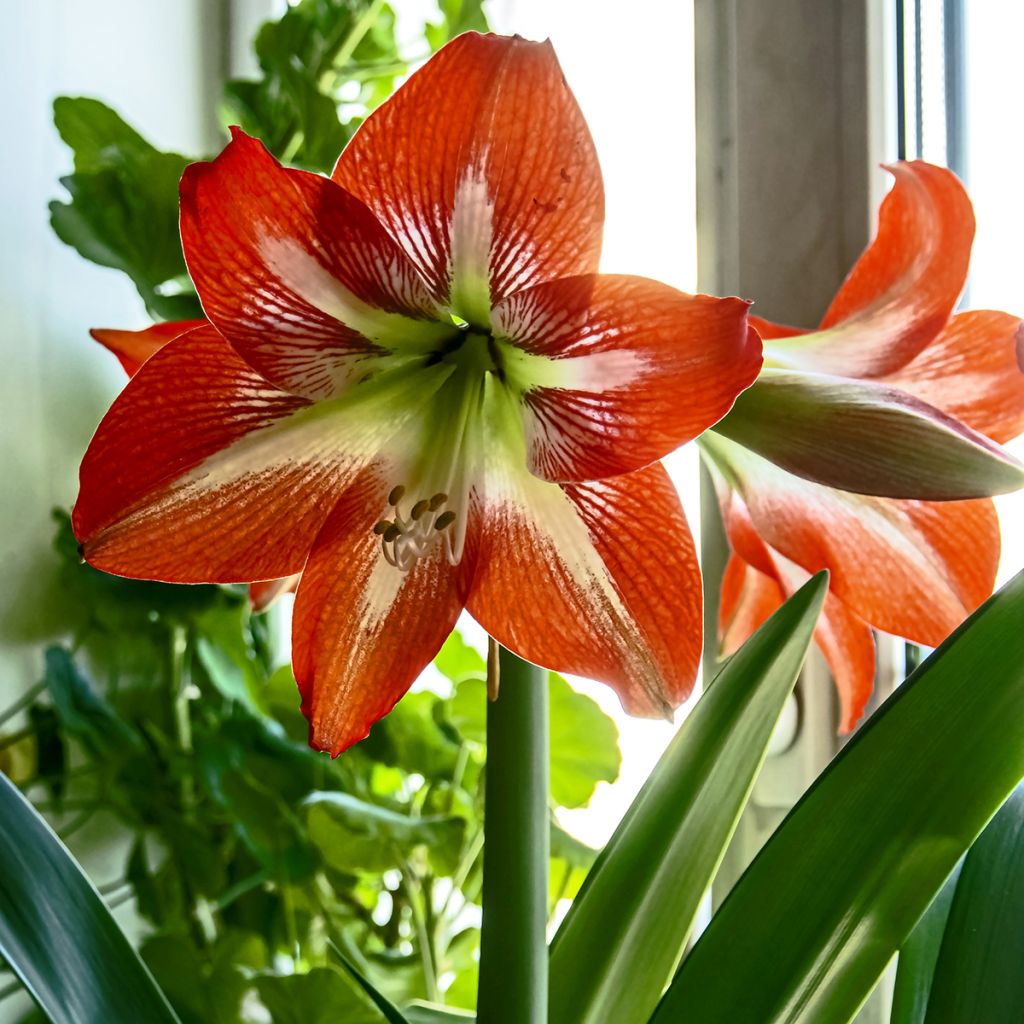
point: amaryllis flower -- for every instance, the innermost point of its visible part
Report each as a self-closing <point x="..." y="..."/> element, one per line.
<point x="893" y="397"/>
<point x="416" y="390"/>
<point x="132" y="349"/>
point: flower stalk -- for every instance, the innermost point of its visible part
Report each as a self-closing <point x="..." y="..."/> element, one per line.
<point x="513" y="950"/>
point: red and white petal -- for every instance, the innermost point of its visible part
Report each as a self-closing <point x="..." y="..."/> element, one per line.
<point x="363" y="630"/>
<point x="264" y="593"/>
<point x="912" y="568"/>
<point x="297" y="274"/>
<point x="903" y="289"/>
<point x="482" y="166"/>
<point x="598" y="579"/>
<point x="133" y="348"/>
<point x="201" y="471"/>
<point x="619" y="371"/>
<point x="971" y="371"/>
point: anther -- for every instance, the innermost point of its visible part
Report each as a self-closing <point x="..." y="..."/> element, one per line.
<point x="393" y="532"/>
<point x="396" y="495"/>
<point x="383" y="526"/>
<point x="419" y="508"/>
<point x="444" y="520"/>
<point x="437" y="501"/>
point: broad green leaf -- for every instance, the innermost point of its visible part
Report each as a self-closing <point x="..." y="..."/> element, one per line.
<point x="584" y="740"/>
<point x="811" y="925"/>
<point x="322" y="996"/>
<point x="584" y="745"/>
<point x="458" y="660"/>
<point x="980" y="971"/>
<point x="123" y="208"/>
<point x="412" y="738"/>
<point x="354" y="835"/>
<point x="57" y="935"/>
<point x="82" y="711"/>
<point x="457" y="16"/>
<point x="868" y="437"/>
<point x="570" y="862"/>
<point x="621" y="941"/>
<point x="918" y="956"/>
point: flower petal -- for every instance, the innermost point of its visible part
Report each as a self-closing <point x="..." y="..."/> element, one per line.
<point x="203" y="472"/>
<point x="133" y="348"/>
<point x="971" y="371"/>
<point x="768" y="330"/>
<point x="619" y="371"/>
<point x="296" y="273"/>
<point x="750" y="595"/>
<point x="482" y="166"/>
<point x="362" y="629"/>
<point x="598" y="579"/>
<point x="867" y="436"/>
<point x="903" y="289"/>
<point x="912" y="568"/>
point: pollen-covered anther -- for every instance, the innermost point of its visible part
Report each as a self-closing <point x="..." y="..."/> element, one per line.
<point x="406" y="540"/>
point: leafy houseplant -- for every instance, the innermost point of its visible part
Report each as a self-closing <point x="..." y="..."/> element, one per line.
<point x="413" y="393"/>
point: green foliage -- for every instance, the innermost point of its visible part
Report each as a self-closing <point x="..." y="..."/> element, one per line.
<point x="836" y="891"/>
<point x="123" y="210"/>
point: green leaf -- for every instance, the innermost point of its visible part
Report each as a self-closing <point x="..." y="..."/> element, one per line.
<point x="866" y="436"/>
<point x="980" y="974"/>
<point x="458" y="16"/>
<point x="123" y="209"/>
<point x="458" y="660"/>
<point x="584" y="745"/>
<point x="83" y="712"/>
<point x="571" y="860"/>
<point x="423" y="1013"/>
<point x="619" y="944"/>
<point x="584" y="740"/>
<point x="323" y="996"/>
<point x="354" y="835"/>
<point x="57" y="935"/>
<point x="918" y="956"/>
<point x="811" y="925"/>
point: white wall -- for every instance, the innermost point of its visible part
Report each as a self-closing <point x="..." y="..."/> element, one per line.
<point x="151" y="60"/>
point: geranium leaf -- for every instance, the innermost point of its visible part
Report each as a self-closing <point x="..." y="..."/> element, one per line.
<point x="619" y="944"/>
<point x="811" y="925"/>
<point x="57" y="935"/>
<point x="123" y="208"/>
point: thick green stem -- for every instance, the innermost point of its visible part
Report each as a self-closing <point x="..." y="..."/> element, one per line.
<point x="513" y="950"/>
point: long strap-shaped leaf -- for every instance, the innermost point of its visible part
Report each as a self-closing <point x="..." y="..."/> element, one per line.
<point x="810" y="926"/>
<point x="57" y="934"/>
<point x="620" y="943"/>
<point x="980" y="972"/>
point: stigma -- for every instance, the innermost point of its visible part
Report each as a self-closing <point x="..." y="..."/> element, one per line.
<point x="406" y="538"/>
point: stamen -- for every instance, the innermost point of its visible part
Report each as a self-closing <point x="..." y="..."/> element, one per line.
<point x="405" y="541"/>
<point x="444" y="520"/>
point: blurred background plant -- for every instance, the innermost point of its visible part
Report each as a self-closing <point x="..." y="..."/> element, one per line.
<point x="255" y="866"/>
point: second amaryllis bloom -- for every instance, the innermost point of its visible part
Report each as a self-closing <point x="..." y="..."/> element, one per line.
<point x="867" y="446"/>
<point x="416" y="390"/>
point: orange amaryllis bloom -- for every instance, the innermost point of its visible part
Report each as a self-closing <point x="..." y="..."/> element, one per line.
<point x="132" y="349"/>
<point x="894" y="397"/>
<point x="417" y="391"/>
